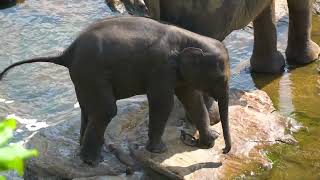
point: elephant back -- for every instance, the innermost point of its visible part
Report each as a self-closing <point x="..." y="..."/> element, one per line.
<point x="214" y="18"/>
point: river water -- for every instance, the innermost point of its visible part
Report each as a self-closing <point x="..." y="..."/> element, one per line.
<point x="40" y="95"/>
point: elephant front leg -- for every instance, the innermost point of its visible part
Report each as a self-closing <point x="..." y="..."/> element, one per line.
<point x="265" y="57"/>
<point x="193" y="103"/>
<point x="301" y="49"/>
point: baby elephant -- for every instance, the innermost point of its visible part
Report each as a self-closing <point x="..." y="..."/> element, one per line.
<point x="121" y="57"/>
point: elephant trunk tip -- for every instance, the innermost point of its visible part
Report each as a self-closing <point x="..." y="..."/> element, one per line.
<point x="226" y="150"/>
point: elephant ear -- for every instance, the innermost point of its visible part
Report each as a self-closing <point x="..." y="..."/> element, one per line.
<point x="190" y="56"/>
<point x="191" y="52"/>
<point x="189" y="60"/>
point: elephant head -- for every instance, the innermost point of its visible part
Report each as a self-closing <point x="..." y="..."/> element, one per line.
<point x="208" y="72"/>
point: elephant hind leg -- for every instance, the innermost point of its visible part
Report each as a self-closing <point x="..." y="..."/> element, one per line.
<point x="98" y="106"/>
<point x="301" y="49"/>
<point x="265" y="57"/>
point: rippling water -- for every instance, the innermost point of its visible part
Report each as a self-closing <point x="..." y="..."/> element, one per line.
<point x="42" y="94"/>
<point x="41" y="91"/>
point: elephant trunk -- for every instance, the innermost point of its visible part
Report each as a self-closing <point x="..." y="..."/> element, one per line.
<point x="223" y="103"/>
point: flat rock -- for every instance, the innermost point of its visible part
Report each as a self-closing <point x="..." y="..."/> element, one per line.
<point x="58" y="148"/>
<point x="253" y="122"/>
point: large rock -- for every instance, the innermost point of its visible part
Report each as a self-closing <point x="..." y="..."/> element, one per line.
<point x="253" y="122"/>
<point x="316" y="7"/>
<point x="58" y="148"/>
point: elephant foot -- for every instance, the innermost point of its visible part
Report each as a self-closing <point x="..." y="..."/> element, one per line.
<point x="156" y="147"/>
<point x="91" y="157"/>
<point x="208" y="141"/>
<point x="304" y="55"/>
<point x="273" y="63"/>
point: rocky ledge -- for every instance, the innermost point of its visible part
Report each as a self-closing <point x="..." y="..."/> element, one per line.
<point x="254" y="124"/>
<point x="316" y="7"/>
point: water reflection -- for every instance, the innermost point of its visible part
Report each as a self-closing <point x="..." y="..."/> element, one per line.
<point x="296" y="94"/>
<point x="285" y="95"/>
<point x="295" y="91"/>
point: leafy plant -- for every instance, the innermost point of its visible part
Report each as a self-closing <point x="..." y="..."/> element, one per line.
<point x="13" y="155"/>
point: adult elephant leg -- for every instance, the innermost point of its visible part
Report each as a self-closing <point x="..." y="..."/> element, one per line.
<point x="301" y="49"/>
<point x="84" y="123"/>
<point x="265" y="57"/>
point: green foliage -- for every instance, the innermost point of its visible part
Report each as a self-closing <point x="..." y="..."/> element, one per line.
<point x="6" y="129"/>
<point x="12" y="156"/>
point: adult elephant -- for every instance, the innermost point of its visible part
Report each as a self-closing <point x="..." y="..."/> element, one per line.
<point x="218" y="18"/>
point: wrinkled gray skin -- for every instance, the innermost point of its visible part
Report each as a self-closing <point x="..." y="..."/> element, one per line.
<point x="126" y="56"/>
<point x="218" y="18"/>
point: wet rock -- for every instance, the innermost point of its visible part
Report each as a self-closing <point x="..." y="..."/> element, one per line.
<point x="121" y="177"/>
<point x="316" y="7"/>
<point x="136" y="7"/>
<point x="7" y="3"/>
<point x="282" y="11"/>
<point x="253" y="123"/>
<point x="288" y="139"/>
<point x="58" y="147"/>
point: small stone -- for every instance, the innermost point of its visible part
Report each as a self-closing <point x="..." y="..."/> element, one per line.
<point x="288" y="139"/>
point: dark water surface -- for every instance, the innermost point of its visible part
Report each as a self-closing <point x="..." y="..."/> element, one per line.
<point x="41" y="94"/>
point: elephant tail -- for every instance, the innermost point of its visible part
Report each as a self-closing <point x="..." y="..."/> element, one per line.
<point x="64" y="60"/>
<point x="56" y="60"/>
